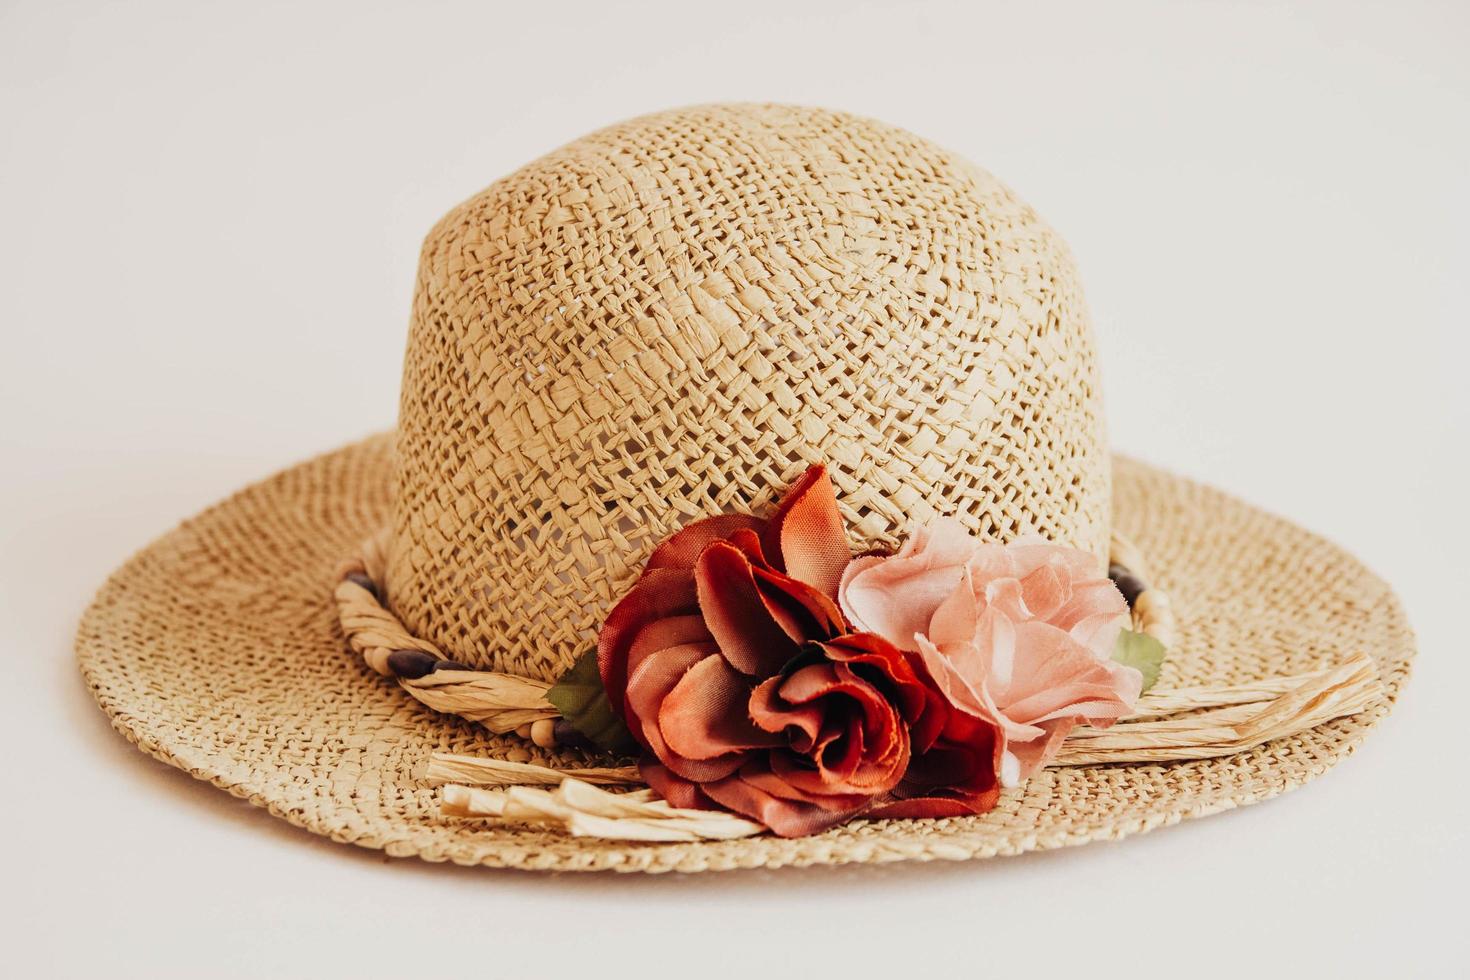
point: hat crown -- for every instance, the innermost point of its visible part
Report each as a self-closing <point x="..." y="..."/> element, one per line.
<point x="673" y="317"/>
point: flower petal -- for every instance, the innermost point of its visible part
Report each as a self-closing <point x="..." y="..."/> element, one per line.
<point x="972" y="702"/>
<point x="956" y="619"/>
<point x="1004" y="595"/>
<point x="805" y="537"/>
<point x="786" y="818"/>
<point x="736" y="614"/>
<point x="801" y="724"/>
<point x="955" y="764"/>
<point x="896" y="597"/>
<point x="955" y="688"/>
<point x="1022" y="759"/>
<point x="862" y="745"/>
<point x="679" y="791"/>
<point x="670" y="631"/>
<point x="943" y="541"/>
<point x="801" y="611"/>
<point x="790" y="778"/>
<point x="748" y="541"/>
<point x="983" y="659"/>
<point x="1031" y="552"/>
<point x="1058" y="683"/>
<point x="1045" y="592"/>
<point x="660" y="593"/>
<point x="1099" y="634"/>
<point x="1093" y="615"/>
<point x="933" y="807"/>
<point x="706" y="715"/>
<point x="681" y="549"/>
<point x="648" y="687"/>
<point x="1056" y="677"/>
<point x="871" y="655"/>
<point x="956" y="777"/>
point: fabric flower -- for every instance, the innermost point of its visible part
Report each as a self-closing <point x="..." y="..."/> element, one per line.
<point x="1018" y="636"/>
<point x="734" y="668"/>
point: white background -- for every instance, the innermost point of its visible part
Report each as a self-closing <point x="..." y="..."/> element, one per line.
<point x="209" y="220"/>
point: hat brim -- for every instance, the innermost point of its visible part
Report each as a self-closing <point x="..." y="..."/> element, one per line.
<point x="217" y="650"/>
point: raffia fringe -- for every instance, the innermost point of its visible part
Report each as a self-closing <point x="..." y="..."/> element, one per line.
<point x="575" y="805"/>
<point x="583" y="810"/>
<point x="1223" y="721"/>
<point x="445" y="767"/>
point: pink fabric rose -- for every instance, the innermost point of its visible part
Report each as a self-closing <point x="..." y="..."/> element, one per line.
<point x="1019" y="636"/>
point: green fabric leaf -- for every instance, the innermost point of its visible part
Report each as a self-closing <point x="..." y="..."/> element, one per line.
<point x="1141" y="652"/>
<point x="579" y="696"/>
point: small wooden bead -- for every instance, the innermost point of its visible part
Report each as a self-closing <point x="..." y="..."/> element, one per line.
<point x="411" y="664"/>
<point x="543" y="733"/>
<point x="1155" y="616"/>
<point x="1150" y="604"/>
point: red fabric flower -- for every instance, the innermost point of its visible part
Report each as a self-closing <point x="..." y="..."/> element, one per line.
<point x="733" y="666"/>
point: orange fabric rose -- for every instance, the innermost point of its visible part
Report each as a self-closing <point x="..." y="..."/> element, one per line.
<point x="735" y="670"/>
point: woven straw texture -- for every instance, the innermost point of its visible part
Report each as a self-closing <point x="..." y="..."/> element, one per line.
<point x="673" y="317"/>
<point x="217" y="649"/>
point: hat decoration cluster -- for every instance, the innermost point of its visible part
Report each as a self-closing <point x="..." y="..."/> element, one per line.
<point x="765" y="679"/>
<point x="760" y="668"/>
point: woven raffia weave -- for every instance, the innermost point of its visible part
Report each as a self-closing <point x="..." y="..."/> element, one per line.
<point x="667" y="320"/>
<point x="673" y="317"/>
<point x="217" y="649"/>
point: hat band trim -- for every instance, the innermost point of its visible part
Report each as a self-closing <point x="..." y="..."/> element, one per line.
<point x="506" y="703"/>
<point x="1168" y="725"/>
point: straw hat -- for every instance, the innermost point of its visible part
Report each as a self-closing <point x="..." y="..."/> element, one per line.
<point x="675" y="318"/>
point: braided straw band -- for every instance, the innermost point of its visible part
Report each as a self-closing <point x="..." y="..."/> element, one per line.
<point x="1168" y="725"/>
